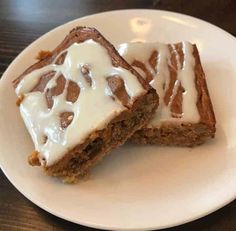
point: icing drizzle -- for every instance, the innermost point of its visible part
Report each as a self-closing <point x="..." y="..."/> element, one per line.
<point x="185" y="77"/>
<point x="93" y="109"/>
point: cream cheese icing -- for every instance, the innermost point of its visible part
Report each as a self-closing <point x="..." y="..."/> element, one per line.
<point x="161" y="78"/>
<point x="93" y="109"/>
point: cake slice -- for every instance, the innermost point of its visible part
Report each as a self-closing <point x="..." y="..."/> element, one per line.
<point x="81" y="101"/>
<point x="185" y="115"/>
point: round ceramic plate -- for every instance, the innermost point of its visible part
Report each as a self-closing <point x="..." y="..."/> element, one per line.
<point x="136" y="187"/>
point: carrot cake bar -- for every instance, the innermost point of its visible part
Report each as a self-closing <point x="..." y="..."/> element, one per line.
<point x="185" y="114"/>
<point x="81" y="101"/>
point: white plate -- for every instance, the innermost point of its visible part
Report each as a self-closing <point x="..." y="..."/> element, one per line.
<point x="137" y="187"/>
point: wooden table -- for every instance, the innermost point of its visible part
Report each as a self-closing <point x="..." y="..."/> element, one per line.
<point x="22" y="21"/>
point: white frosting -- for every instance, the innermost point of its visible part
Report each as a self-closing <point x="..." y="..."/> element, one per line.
<point x="93" y="110"/>
<point x="161" y="78"/>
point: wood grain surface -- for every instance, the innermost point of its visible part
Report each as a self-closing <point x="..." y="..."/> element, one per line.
<point x="22" y="21"/>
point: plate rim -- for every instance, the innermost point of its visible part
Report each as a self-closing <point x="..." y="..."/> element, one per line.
<point x="228" y="34"/>
<point x="90" y="224"/>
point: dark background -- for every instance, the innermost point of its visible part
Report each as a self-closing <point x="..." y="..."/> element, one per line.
<point x="22" y="21"/>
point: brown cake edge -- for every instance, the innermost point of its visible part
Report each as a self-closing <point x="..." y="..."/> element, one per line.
<point x="204" y="103"/>
<point x="185" y="135"/>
